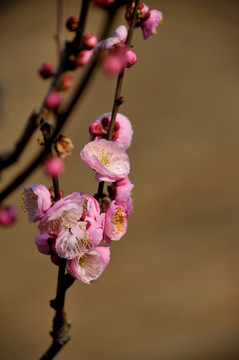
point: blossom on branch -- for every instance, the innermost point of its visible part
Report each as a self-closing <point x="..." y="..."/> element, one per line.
<point x="89" y="266"/>
<point x="110" y="162"/>
<point x="115" y="223"/>
<point x="122" y="134"/>
<point x="37" y="200"/>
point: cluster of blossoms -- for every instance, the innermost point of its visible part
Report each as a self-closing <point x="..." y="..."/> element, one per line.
<point x="74" y="226"/>
<point x="80" y="228"/>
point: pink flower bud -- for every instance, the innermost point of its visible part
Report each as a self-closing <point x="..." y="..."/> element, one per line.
<point x="103" y="3"/>
<point x="130" y="58"/>
<point x="8" y="216"/>
<point x="45" y="70"/>
<point x="113" y="64"/>
<point x="42" y="242"/>
<point x="83" y="57"/>
<point x="95" y="129"/>
<point x="66" y="82"/>
<point x="72" y="23"/>
<point x="53" y="100"/>
<point x="53" y="166"/>
<point x="89" y="41"/>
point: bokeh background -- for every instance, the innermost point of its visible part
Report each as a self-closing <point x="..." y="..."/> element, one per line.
<point x="171" y="290"/>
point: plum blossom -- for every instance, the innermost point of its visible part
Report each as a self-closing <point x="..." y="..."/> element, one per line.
<point x="91" y="207"/>
<point x="122" y="134"/>
<point x="113" y="52"/>
<point x="72" y="242"/>
<point x="110" y="162"/>
<point x="65" y="213"/>
<point x="83" y="237"/>
<point x="153" y="19"/>
<point x="147" y="19"/>
<point x="37" y="199"/>
<point x="115" y="223"/>
<point x="89" y="265"/>
<point x="120" y="192"/>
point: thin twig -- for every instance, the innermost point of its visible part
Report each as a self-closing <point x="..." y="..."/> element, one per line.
<point x="6" y="159"/>
<point x="60" y="26"/>
<point x="62" y="117"/>
<point x="117" y="99"/>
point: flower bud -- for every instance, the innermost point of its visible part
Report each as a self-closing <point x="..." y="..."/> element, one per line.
<point x="66" y="82"/>
<point x="72" y="23"/>
<point x="53" y="100"/>
<point x="95" y="129"/>
<point x="103" y="3"/>
<point x="142" y="11"/>
<point x="8" y="216"/>
<point x="83" y="57"/>
<point x="45" y="70"/>
<point x="89" y="41"/>
<point x="113" y="64"/>
<point x="53" y="166"/>
<point x="130" y="58"/>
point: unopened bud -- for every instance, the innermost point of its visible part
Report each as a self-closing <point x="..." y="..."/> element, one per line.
<point x="53" y="166"/>
<point x="103" y="3"/>
<point x="95" y="129"/>
<point x="89" y="41"/>
<point x="72" y="23"/>
<point x="66" y="82"/>
<point x="8" y="216"/>
<point x="113" y="64"/>
<point x="53" y="100"/>
<point x="46" y="70"/>
<point x="83" y="57"/>
<point x="130" y="58"/>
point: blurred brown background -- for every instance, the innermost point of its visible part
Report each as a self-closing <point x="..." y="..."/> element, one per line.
<point x="171" y="291"/>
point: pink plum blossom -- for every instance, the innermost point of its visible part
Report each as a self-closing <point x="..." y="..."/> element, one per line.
<point x="119" y="36"/>
<point x="142" y="11"/>
<point x="153" y="19"/>
<point x="65" y="213"/>
<point x="37" y="199"/>
<point x="74" y="241"/>
<point x="120" y="192"/>
<point x="89" y="266"/>
<point x="8" y="215"/>
<point x="110" y="162"/>
<point x="115" y="223"/>
<point x="123" y="131"/>
<point x="91" y="207"/>
<point x="112" y="51"/>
